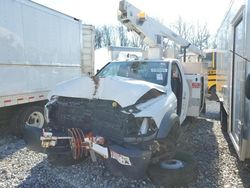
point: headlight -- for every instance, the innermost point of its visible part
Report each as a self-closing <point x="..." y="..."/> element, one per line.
<point x="140" y="126"/>
<point x="148" y="127"/>
<point x="144" y="127"/>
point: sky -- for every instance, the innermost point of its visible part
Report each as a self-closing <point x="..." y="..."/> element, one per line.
<point x="100" y="12"/>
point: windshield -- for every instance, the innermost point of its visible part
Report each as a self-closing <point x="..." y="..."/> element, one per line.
<point x="155" y="72"/>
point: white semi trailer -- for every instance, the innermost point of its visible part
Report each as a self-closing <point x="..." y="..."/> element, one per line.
<point x="39" y="47"/>
<point x="233" y="39"/>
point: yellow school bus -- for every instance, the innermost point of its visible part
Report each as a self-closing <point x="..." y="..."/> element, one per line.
<point x="216" y="77"/>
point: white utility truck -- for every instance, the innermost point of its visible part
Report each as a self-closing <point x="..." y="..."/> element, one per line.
<point x="39" y="48"/>
<point x="233" y="40"/>
<point x="130" y="113"/>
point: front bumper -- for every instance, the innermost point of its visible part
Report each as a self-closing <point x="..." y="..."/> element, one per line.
<point x="126" y="160"/>
<point x="139" y="160"/>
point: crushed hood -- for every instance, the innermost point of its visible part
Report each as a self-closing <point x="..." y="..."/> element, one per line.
<point x="124" y="91"/>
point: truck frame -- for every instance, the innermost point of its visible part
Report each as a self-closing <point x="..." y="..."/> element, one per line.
<point x="233" y="38"/>
<point x="40" y="47"/>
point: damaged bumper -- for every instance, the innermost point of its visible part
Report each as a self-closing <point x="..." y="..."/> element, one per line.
<point x="124" y="160"/>
<point x="137" y="161"/>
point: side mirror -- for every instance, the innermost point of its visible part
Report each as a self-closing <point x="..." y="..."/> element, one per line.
<point x="247" y="87"/>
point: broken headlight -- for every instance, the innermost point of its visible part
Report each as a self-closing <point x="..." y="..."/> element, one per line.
<point x="141" y="127"/>
<point x="147" y="127"/>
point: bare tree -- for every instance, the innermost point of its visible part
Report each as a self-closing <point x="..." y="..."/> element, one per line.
<point x="200" y="36"/>
<point x="108" y="36"/>
<point x="136" y="40"/>
<point x="116" y="35"/>
<point x="123" y="36"/>
<point x="183" y="28"/>
<point x="98" y="38"/>
<point x="197" y="35"/>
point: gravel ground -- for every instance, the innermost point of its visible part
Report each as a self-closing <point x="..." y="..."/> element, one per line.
<point x="217" y="161"/>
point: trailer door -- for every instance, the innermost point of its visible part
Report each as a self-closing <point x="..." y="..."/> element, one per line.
<point x="238" y="82"/>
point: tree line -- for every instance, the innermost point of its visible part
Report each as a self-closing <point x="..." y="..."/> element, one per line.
<point x="106" y="35"/>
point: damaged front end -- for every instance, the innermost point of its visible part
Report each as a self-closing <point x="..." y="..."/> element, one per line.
<point x="89" y="126"/>
<point x="116" y="114"/>
<point x="100" y="117"/>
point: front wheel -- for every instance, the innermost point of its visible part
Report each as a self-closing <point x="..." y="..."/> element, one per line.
<point x="167" y="146"/>
<point x="65" y="159"/>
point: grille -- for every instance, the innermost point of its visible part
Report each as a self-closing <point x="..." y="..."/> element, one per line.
<point x="91" y="115"/>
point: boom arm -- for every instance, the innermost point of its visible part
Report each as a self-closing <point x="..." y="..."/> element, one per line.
<point x="149" y="29"/>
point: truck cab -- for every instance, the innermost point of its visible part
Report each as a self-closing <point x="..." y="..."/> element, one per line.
<point x="167" y="73"/>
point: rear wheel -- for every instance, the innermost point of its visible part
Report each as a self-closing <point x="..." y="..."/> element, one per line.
<point x="213" y="90"/>
<point x="28" y="122"/>
<point x="178" y="171"/>
<point x="29" y="115"/>
<point x="213" y="93"/>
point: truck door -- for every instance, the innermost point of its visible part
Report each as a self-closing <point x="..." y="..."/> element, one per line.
<point x="238" y="81"/>
<point x="177" y="88"/>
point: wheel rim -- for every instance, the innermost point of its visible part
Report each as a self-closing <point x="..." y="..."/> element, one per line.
<point x="172" y="164"/>
<point x="36" y="119"/>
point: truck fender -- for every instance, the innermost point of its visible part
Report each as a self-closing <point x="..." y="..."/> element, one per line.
<point x="166" y="124"/>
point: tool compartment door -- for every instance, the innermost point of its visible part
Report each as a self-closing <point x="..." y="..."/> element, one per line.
<point x="195" y="84"/>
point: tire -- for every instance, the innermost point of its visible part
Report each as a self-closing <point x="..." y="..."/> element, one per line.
<point x="167" y="146"/>
<point x="223" y="118"/>
<point x="61" y="159"/>
<point x="61" y="155"/>
<point x="213" y="93"/>
<point x="213" y="90"/>
<point x="163" y="175"/>
<point x="34" y="115"/>
<point x="169" y="143"/>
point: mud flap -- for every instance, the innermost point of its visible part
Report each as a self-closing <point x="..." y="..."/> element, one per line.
<point x="31" y="137"/>
<point x="138" y="159"/>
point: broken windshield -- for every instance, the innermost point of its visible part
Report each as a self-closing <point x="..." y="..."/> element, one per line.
<point x="150" y="71"/>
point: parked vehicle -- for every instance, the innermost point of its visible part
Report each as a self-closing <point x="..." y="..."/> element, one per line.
<point x="39" y="48"/>
<point x="130" y="113"/>
<point x="127" y="113"/>
<point x="233" y="38"/>
<point x="216" y="76"/>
